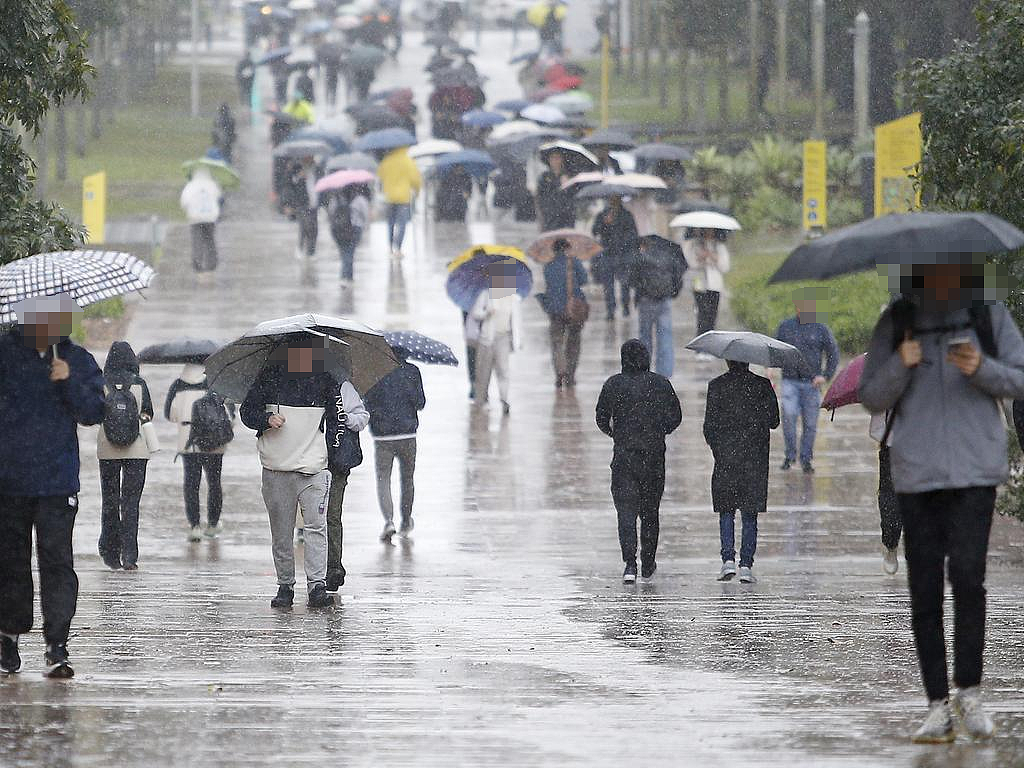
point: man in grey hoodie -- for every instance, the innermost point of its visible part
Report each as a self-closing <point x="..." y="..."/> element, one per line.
<point x="941" y="363"/>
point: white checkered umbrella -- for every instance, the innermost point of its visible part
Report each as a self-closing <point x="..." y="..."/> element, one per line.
<point x="88" y="276"/>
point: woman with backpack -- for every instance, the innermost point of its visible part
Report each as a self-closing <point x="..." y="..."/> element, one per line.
<point x="123" y="455"/>
<point x="204" y="430"/>
<point x="348" y="211"/>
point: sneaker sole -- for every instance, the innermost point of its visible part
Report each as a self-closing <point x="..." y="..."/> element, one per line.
<point x="62" y="671"/>
<point x="947" y="739"/>
<point x="629" y="579"/>
<point x="4" y="671"/>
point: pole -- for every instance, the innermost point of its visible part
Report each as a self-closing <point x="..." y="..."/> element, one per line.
<point x="861" y="76"/>
<point x="42" y="159"/>
<point x="195" y="58"/>
<point x="606" y="65"/>
<point x="782" y="54"/>
<point x="754" y="21"/>
<point x="818" y="65"/>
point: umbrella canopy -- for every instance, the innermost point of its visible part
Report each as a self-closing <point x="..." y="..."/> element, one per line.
<point x="845" y="385"/>
<point x="423" y="349"/>
<point x="221" y="172"/>
<point x="388" y="139"/>
<point x="583" y="179"/>
<point x="302" y="148"/>
<point x="517" y="129"/>
<point x="705" y="220"/>
<point x="513" y="105"/>
<point x="659" y="151"/>
<point x="461" y="50"/>
<point x="468" y="276"/>
<point x="749" y="347"/>
<point x="276" y="54"/>
<point x="610" y="139"/>
<point x="581" y="246"/>
<point x="543" y="113"/>
<point x="359" y="351"/>
<point x="179" y="351"/>
<point x="477" y="163"/>
<point x="344" y="178"/>
<point x="571" y="102"/>
<point x="690" y="204"/>
<point x="577" y="158"/>
<point x="87" y="276"/>
<point x="604" y="190"/>
<point x="640" y="181"/>
<point x="481" y="118"/>
<point x="351" y="161"/>
<point x="335" y="139"/>
<point x="433" y="148"/>
<point x="519" y="148"/>
<point x="377" y="117"/>
<point x="905" y="239"/>
<point x="317" y="27"/>
<point x="363" y="56"/>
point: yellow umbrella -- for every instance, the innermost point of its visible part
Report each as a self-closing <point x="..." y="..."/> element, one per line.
<point x="508" y="251"/>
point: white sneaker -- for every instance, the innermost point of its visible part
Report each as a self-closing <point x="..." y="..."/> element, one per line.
<point x="728" y="571"/>
<point x="973" y="717"/>
<point x="195" y="533"/>
<point x="747" y="575"/>
<point x="937" y="727"/>
<point x="890" y="561"/>
<point x="299" y="253"/>
<point x="213" y="531"/>
<point x="389" y="531"/>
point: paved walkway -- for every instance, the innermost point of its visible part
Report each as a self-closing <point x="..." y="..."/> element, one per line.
<point x="501" y="634"/>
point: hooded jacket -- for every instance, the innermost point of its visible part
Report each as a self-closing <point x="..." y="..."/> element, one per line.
<point x="394" y="403"/>
<point x="121" y="369"/>
<point x="38" y="417"/>
<point x="638" y="408"/>
<point x="399" y="177"/>
<point x="185" y="390"/>
<point x="200" y="199"/>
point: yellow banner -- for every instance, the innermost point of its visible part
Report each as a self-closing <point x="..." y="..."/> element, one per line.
<point x="815" y="185"/>
<point x="897" y="154"/>
<point x="94" y="206"/>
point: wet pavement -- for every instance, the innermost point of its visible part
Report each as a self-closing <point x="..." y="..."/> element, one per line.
<point x="500" y="634"/>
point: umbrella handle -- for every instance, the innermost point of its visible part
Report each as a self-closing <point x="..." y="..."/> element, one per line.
<point x="55" y="355"/>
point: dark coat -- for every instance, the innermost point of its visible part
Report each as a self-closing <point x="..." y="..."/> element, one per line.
<point x="453" y="193"/>
<point x="275" y="385"/>
<point x="395" y="401"/>
<point x="741" y="412"/>
<point x="656" y="273"/>
<point x="556" y="206"/>
<point x="39" y="418"/>
<point x="618" y="237"/>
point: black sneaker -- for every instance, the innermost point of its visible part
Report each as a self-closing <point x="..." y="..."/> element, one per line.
<point x="786" y="465"/>
<point x="808" y="469"/>
<point x="647" y="571"/>
<point x="10" y="659"/>
<point x="58" y="666"/>
<point x="629" y="573"/>
<point x="335" y="579"/>
<point x="284" y="599"/>
<point x="319" y="598"/>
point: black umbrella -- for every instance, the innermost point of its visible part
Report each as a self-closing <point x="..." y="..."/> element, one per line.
<point x="658" y="151"/>
<point x="179" y="351"/>
<point x="377" y="118"/>
<point x="906" y="238"/>
<point x="610" y="139"/>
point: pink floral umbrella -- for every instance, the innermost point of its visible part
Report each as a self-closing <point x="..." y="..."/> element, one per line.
<point x="344" y="178"/>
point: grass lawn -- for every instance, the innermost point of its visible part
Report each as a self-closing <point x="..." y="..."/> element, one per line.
<point x="143" y="149"/>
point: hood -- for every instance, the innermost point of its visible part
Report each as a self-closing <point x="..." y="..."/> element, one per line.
<point x="121" y="359"/>
<point x="635" y="357"/>
<point x="202" y="174"/>
<point x="193" y="373"/>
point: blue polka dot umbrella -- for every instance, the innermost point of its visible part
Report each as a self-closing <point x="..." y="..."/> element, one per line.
<point x="423" y="349"/>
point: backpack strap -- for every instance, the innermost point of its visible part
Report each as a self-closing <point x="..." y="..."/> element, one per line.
<point x="981" y="319"/>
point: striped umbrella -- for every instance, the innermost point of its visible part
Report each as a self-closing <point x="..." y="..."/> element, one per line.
<point x="416" y="346"/>
<point x="87" y="276"/>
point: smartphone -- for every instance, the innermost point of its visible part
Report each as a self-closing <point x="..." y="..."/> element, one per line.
<point x="957" y="341"/>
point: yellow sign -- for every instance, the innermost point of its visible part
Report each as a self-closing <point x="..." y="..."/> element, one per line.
<point x="94" y="206"/>
<point x="897" y="155"/>
<point x="815" y="185"/>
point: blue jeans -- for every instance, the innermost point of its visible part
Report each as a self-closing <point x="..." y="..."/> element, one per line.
<point x="800" y="399"/>
<point x="398" y="216"/>
<point x="656" y="331"/>
<point x="748" y="545"/>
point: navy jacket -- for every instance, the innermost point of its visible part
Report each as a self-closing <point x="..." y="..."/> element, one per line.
<point x="813" y="340"/>
<point x="394" y="402"/>
<point x="555" y="284"/>
<point x="39" y="418"/>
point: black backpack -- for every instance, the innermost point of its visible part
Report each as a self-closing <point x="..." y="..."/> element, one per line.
<point x="210" y="427"/>
<point x="120" y="415"/>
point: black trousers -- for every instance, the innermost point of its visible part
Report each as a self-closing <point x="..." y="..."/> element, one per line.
<point x="121" y="484"/>
<point x="204" y="246"/>
<point x="707" y="310"/>
<point x="54" y="520"/>
<point x="309" y="228"/>
<point x="938" y="526"/>
<point x="888" y="503"/>
<point x="637" y="485"/>
<point x="195" y="464"/>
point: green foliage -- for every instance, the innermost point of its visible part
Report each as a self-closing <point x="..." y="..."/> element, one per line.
<point x="1010" y="501"/>
<point x="844" y="209"/>
<point x="778" y="162"/>
<point x="769" y="209"/>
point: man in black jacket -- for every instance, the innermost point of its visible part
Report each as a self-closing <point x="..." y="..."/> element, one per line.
<point x="656" y="276"/>
<point x="48" y="385"/>
<point x="638" y="409"/>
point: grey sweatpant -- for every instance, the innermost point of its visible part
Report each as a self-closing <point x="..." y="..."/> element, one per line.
<point x="282" y="491"/>
<point x="386" y="453"/>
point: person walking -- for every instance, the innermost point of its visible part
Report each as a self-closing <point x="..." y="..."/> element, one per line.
<point x="400" y="181"/>
<point x="303" y="201"/>
<point x="615" y="228"/>
<point x="224" y="133"/>
<point x="556" y="206"/>
<point x="349" y="213"/>
<point x="123" y="456"/>
<point x="888" y="504"/>
<point x="205" y="428"/>
<point x="801" y="387"/>
<point x="394" y="404"/>
<point x="48" y="385"/>
<point x="498" y="312"/>
<point x="567" y="311"/>
<point x="708" y="259"/>
<point x="656" y="277"/>
<point x="740" y="414"/>
<point x="940" y="363"/>
<point x="454" y="189"/>
<point x="201" y="201"/>
<point x="638" y="409"/>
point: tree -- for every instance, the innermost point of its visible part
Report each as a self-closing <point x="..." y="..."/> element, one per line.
<point x="42" y="64"/>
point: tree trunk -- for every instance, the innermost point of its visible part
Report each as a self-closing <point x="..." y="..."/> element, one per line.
<point x="631" y="14"/>
<point x="754" y="21"/>
<point x="657" y="21"/>
<point x="781" y="57"/>
<point x="617" y="36"/>
<point x="724" y="72"/>
<point x="101" y="98"/>
<point x="80" y="128"/>
<point x="644" y="40"/>
<point x="42" y="159"/>
<point x="684" y="93"/>
<point x="699" y="65"/>
<point x="61" y="141"/>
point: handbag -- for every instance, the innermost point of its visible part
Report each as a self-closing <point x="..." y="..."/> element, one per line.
<point x="343" y="449"/>
<point x="149" y="435"/>
<point x="576" y="309"/>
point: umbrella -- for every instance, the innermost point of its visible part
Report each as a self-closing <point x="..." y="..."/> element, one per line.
<point x="689" y="205"/>
<point x="518" y="148"/>
<point x="221" y="172"/>
<point x="604" y="190"/>
<point x="518" y="129"/>
<point x="705" y="220"/>
<point x="581" y="246"/>
<point x="660" y="151"/>
<point x="180" y="351"/>
<point x="608" y="138"/>
<point x="571" y="102"/>
<point x="513" y="105"/>
<point x="640" y="181"/>
<point x="378" y="118"/>
<point x="385" y="140"/>
<point x="467" y="272"/>
<point x="477" y="163"/>
<point x="433" y="148"/>
<point x="416" y="346"/>
<point x="749" y="347"/>
<point x="543" y="113"/>
<point x="363" y="56"/>
<point x="302" y="5"/>
<point x="302" y="148"/>
<point x="351" y="161"/>
<point x="582" y="179"/>
<point x="577" y="159"/>
<point x="347" y="22"/>
<point x="317" y="27"/>
<point x="906" y="239"/>
<point x="461" y="50"/>
<point x="334" y="139"/>
<point x="353" y="348"/>
<point x="277" y="54"/>
<point x="344" y="178"/>
<point x="522" y="58"/>
<point x="481" y="118"/>
<point x="86" y="276"/>
<point x="844" y="388"/>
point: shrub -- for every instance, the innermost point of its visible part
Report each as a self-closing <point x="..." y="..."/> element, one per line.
<point x="769" y="209"/>
<point x="1010" y="501"/>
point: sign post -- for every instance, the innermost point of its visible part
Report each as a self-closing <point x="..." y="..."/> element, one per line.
<point x="897" y="155"/>
<point x="815" y="186"/>
<point x="94" y="206"/>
